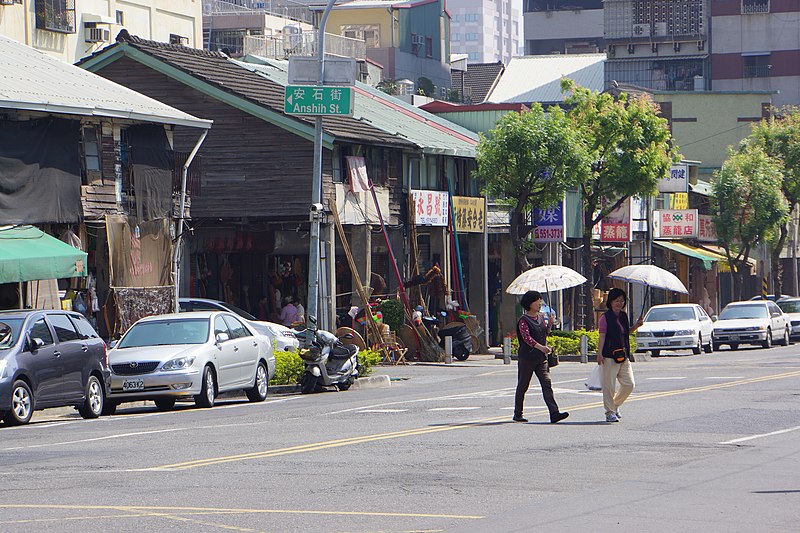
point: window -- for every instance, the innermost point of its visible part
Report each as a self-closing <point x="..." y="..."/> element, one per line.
<point x="472" y="17"/>
<point x="174" y="38"/>
<point x="456" y="37"/>
<point x="456" y="18"/>
<point x="238" y="330"/>
<point x="65" y="331"/>
<point x="370" y="34"/>
<point x="91" y="149"/>
<point x="120" y="18"/>
<point x="220" y="327"/>
<point x="472" y="36"/>
<point x="39" y="330"/>
<point x="472" y="56"/>
<point x="84" y="328"/>
<point x="55" y="15"/>
<point x="755" y="6"/>
<point x="756" y="66"/>
<point x="428" y="46"/>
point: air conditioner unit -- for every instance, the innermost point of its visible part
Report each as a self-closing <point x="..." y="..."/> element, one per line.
<point x="418" y="39"/>
<point x="641" y="30"/>
<point x="97" y="35"/>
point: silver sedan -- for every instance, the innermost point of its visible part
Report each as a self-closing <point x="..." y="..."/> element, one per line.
<point x="194" y="356"/>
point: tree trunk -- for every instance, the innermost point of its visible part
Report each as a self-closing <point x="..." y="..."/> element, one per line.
<point x="777" y="267"/>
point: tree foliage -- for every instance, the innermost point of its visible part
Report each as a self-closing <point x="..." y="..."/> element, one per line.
<point x="629" y="150"/>
<point x="748" y="205"/>
<point x="528" y="161"/>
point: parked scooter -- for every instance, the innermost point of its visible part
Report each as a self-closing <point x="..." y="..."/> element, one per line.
<point x="328" y="361"/>
<point x="462" y="342"/>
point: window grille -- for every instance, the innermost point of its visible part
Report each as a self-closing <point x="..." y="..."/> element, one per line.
<point x="55" y="15"/>
<point x="755" y="6"/>
<point x="756" y="66"/>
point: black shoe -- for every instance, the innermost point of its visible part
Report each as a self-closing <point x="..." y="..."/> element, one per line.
<point x="558" y="417"/>
<point x="519" y="419"/>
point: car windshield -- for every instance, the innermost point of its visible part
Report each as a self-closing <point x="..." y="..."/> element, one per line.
<point x="670" y="314"/>
<point x="743" y="311"/>
<point x="792" y="306"/>
<point x="166" y="332"/>
<point x="9" y="332"/>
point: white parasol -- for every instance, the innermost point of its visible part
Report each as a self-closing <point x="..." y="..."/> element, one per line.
<point x="545" y="279"/>
<point x="649" y="276"/>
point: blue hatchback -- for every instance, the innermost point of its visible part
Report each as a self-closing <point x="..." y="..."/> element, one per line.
<point x="50" y="359"/>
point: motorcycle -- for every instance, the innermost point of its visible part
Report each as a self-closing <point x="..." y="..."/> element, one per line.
<point x="328" y="360"/>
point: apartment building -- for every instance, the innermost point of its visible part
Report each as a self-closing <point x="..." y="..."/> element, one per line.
<point x="756" y="47"/>
<point x="487" y="31"/>
<point x="72" y="29"/>
<point x="563" y="26"/>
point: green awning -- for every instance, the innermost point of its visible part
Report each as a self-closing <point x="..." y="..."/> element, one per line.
<point x="690" y="251"/>
<point x="27" y="253"/>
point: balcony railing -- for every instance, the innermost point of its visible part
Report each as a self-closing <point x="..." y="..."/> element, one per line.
<point x="55" y="15"/>
<point x="303" y="44"/>
<point x="757" y="71"/>
<point x="288" y="9"/>
<point x="757" y="6"/>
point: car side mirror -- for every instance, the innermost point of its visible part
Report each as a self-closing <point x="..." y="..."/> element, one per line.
<point x="221" y="337"/>
<point x="776" y="314"/>
<point x="113" y="343"/>
<point x="713" y="318"/>
<point x="35" y="343"/>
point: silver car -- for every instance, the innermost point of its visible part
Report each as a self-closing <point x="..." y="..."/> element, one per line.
<point x="189" y="356"/>
<point x="791" y="306"/>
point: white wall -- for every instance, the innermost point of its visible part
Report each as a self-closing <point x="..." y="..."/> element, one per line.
<point x="543" y="25"/>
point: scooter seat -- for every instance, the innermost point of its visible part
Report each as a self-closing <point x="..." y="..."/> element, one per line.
<point x="343" y="351"/>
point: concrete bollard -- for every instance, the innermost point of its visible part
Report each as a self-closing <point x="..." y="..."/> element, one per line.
<point x="584" y="349"/>
<point x="448" y="350"/>
<point x="507" y="351"/>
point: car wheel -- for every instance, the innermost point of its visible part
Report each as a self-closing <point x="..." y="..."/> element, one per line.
<point x="165" y="404"/>
<point x="21" y="404"/>
<point x="655" y="353"/>
<point x="308" y="383"/>
<point x="768" y="342"/>
<point x="258" y="393"/>
<point x="208" y="390"/>
<point x="710" y="347"/>
<point x="95" y="398"/>
<point x="785" y="341"/>
<point x="109" y="408"/>
<point x="734" y="346"/>
<point x="697" y="349"/>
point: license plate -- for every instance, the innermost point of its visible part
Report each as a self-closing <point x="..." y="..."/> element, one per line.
<point x="132" y="385"/>
<point x="734" y="337"/>
<point x="663" y="342"/>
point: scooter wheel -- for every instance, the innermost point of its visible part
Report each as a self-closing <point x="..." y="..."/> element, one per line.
<point x="308" y="383"/>
<point x="346" y="385"/>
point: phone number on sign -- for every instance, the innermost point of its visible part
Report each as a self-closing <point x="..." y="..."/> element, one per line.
<point x="548" y="233"/>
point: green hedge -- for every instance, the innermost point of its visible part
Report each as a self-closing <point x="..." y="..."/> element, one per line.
<point x="289" y="367"/>
<point x="568" y="342"/>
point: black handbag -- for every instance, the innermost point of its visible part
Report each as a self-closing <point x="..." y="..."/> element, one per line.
<point x="552" y="359"/>
<point x="619" y="355"/>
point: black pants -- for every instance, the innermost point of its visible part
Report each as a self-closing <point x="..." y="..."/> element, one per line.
<point x="525" y="370"/>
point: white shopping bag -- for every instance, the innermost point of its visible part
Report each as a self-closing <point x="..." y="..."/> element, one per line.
<point x="595" y="379"/>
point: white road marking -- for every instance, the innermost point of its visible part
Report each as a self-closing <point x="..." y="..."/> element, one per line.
<point x="453" y="408"/>
<point x="724" y="377"/>
<point x="384" y="411"/>
<point x="489" y="393"/>
<point x="667" y="378"/>
<point x="751" y="437"/>
<point x="506" y="371"/>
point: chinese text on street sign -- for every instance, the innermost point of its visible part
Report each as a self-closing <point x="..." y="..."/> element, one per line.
<point x="318" y="100"/>
<point x="676" y="181"/>
<point x="549" y="224"/>
<point x="469" y="214"/>
<point x="616" y="226"/>
<point x="707" y="232"/>
<point x="675" y="224"/>
<point x="431" y="208"/>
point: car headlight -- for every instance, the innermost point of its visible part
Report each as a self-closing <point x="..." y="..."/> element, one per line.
<point x="289" y="334"/>
<point x="756" y="328"/>
<point x="685" y="332"/>
<point x="643" y="334"/>
<point x="179" y="363"/>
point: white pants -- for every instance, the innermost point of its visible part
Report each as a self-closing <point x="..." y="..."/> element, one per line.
<point x="612" y="372"/>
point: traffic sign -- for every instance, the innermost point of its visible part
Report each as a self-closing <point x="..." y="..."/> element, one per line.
<point x="318" y="100"/>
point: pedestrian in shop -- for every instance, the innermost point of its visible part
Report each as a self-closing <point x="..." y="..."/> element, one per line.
<point x="301" y="311"/>
<point x="288" y="314"/>
<point x="614" y="351"/>
<point x="532" y="357"/>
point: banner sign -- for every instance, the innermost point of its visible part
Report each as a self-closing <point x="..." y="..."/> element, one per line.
<point x="679" y="200"/>
<point x="707" y="232"/>
<point x="675" y="224"/>
<point x="432" y="208"/>
<point x="469" y="213"/>
<point x="616" y="226"/>
<point x="676" y="181"/>
<point x="549" y="224"/>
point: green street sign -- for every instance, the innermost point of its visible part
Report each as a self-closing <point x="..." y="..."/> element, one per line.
<point x="318" y="100"/>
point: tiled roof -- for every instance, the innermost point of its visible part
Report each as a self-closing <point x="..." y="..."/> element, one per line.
<point x="34" y="81"/>
<point x="218" y="70"/>
<point x="530" y="79"/>
<point x="478" y="80"/>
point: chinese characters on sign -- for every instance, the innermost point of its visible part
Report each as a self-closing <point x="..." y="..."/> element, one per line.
<point x="469" y="213"/>
<point x="707" y="232"/>
<point x="676" y="181"/>
<point x="318" y="100"/>
<point x="549" y="224"/>
<point x="616" y="226"/>
<point x="679" y="200"/>
<point x="675" y="224"/>
<point x="431" y="208"/>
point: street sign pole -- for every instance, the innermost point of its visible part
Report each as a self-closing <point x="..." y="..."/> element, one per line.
<point x="316" y="190"/>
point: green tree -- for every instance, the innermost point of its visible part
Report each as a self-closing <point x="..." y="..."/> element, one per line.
<point x="748" y="206"/>
<point x="389" y="86"/>
<point x="629" y="148"/>
<point x="527" y="162"/>
<point x="779" y="137"/>
<point x="426" y="87"/>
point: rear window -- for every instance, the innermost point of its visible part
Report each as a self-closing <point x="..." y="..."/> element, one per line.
<point x="65" y="330"/>
<point x="9" y="332"/>
<point x="790" y="307"/>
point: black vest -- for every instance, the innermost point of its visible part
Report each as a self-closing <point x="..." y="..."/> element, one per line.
<point x="613" y="334"/>
<point x="539" y="333"/>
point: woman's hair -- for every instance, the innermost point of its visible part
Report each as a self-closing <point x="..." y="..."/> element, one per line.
<point x="528" y="298"/>
<point x="613" y="294"/>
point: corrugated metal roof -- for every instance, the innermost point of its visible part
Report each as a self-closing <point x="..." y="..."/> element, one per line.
<point x="530" y="79"/>
<point x="34" y="81"/>
<point x="375" y="108"/>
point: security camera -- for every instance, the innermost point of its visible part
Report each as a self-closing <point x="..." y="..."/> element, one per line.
<point x="316" y="208"/>
<point x="316" y="212"/>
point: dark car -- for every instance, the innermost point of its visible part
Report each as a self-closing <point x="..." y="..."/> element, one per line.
<point x="50" y="359"/>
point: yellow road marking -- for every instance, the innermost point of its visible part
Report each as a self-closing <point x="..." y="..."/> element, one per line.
<point x="154" y="511"/>
<point x="302" y="448"/>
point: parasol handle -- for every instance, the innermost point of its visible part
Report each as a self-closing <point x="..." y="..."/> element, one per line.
<point x="644" y="300"/>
